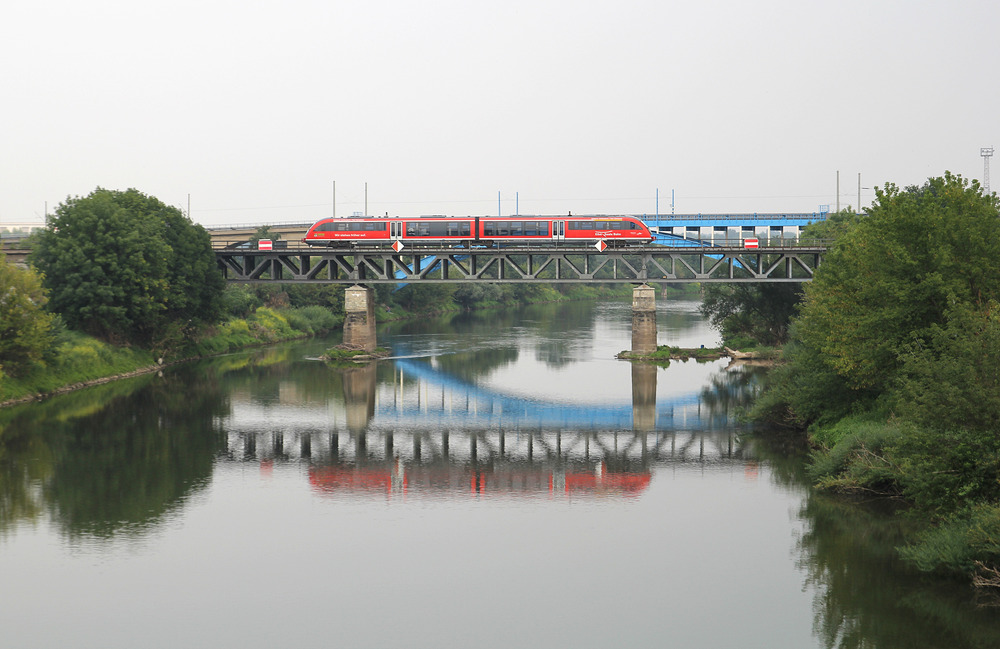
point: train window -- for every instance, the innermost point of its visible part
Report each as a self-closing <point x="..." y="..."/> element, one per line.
<point x="438" y="229"/>
<point x="351" y="226"/>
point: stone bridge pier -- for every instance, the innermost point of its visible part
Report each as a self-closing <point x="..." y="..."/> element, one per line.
<point x="643" y="319"/>
<point x="359" y="318"/>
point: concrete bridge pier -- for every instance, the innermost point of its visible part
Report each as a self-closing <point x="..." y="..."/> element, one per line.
<point x="359" y="320"/>
<point x="643" y="319"/>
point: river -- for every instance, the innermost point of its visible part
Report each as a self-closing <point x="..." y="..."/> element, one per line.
<point x="502" y="481"/>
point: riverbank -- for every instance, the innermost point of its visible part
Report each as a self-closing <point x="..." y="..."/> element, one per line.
<point x="79" y="361"/>
<point x="942" y="476"/>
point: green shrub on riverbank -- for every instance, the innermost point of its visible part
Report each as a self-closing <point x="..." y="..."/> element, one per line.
<point x="264" y="326"/>
<point x="77" y="358"/>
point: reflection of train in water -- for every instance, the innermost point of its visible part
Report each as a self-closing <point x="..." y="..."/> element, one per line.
<point x="510" y="480"/>
<point x="615" y="231"/>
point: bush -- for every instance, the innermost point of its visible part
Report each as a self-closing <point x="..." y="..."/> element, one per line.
<point x="240" y="301"/>
<point x="860" y="458"/>
<point x="945" y="471"/>
<point x="959" y="543"/>
<point x="271" y="325"/>
<point x="313" y="319"/>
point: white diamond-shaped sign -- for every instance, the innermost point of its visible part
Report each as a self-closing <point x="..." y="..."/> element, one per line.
<point x="601" y="245"/>
<point x="397" y="246"/>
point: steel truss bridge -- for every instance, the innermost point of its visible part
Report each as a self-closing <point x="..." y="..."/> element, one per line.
<point x="782" y="261"/>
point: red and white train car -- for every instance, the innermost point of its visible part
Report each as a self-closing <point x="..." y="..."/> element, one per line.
<point x="615" y="231"/>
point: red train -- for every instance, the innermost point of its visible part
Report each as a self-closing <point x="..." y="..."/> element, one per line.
<point x="615" y="231"/>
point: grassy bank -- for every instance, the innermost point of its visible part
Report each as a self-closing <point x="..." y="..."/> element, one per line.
<point x="77" y="360"/>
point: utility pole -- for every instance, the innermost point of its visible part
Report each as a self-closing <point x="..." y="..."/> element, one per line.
<point x="838" y="190"/>
<point x="986" y="152"/>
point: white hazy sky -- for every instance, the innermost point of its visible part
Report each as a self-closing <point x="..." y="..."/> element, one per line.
<point x="253" y="108"/>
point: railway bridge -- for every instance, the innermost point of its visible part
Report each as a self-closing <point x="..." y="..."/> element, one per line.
<point x="689" y="248"/>
<point x="686" y="248"/>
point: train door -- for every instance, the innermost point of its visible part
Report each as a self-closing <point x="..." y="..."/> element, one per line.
<point x="558" y="230"/>
<point x="395" y="230"/>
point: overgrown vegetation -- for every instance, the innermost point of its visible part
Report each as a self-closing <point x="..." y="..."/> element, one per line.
<point x="25" y="325"/>
<point x="893" y="366"/>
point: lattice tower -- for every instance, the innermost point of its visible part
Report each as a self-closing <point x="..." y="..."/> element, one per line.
<point x="986" y="152"/>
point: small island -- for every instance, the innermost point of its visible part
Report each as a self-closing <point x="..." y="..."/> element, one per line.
<point x="349" y="355"/>
<point x="666" y="353"/>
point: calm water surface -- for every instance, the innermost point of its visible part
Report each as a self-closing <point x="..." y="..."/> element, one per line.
<point x="502" y="482"/>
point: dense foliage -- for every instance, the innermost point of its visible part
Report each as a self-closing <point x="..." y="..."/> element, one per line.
<point x="25" y="326"/>
<point x="748" y="315"/>
<point x="125" y="267"/>
<point x="895" y="363"/>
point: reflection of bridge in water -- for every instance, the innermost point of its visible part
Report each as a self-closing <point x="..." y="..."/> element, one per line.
<point x="441" y="399"/>
<point x="432" y="433"/>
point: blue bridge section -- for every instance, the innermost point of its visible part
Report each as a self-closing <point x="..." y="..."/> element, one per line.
<point x="473" y="405"/>
<point x="714" y="229"/>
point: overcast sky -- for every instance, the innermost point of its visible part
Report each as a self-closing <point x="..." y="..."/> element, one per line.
<point x="254" y="108"/>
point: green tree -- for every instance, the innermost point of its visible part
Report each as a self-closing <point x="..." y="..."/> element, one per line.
<point x="891" y="281"/>
<point x="125" y="267"/>
<point x="25" y="326"/>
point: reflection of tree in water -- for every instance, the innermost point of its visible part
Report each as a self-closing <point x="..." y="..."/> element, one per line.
<point x="473" y="364"/>
<point x="864" y="595"/>
<point x="731" y="391"/>
<point x="555" y="352"/>
<point x="866" y="598"/>
<point x="112" y="459"/>
<point x="555" y="326"/>
<point x="25" y="460"/>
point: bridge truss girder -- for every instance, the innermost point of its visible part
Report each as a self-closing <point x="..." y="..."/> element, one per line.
<point x="552" y="265"/>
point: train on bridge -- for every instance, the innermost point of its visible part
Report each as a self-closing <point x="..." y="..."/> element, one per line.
<point x="613" y="231"/>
